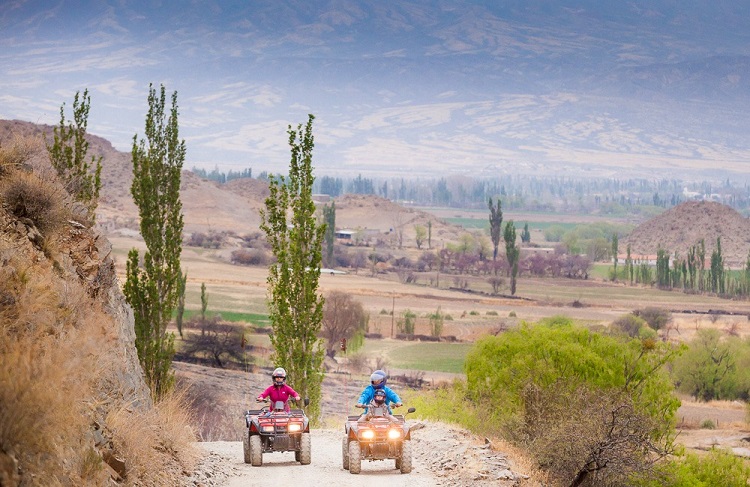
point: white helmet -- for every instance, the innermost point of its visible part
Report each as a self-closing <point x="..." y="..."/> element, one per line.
<point x="279" y="376"/>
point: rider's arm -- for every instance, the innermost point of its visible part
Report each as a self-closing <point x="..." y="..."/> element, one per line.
<point x="294" y="394"/>
<point x="265" y="393"/>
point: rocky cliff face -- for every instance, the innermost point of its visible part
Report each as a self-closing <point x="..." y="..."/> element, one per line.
<point x="71" y="387"/>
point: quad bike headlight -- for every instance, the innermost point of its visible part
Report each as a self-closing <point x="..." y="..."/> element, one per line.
<point x="394" y="434"/>
<point x="268" y="428"/>
<point x="368" y="434"/>
<point x="294" y="427"/>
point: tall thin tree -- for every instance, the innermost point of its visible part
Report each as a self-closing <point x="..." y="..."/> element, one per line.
<point x="329" y="218"/>
<point x="496" y="225"/>
<point x="295" y="306"/>
<point x="152" y="290"/>
<point x="512" y="253"/>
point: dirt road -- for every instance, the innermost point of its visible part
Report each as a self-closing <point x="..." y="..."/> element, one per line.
<point x="442" y="456"/>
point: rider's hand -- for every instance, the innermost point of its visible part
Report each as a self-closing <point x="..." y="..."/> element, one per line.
<point x="361" y="406"/>
<point x="398" y="405"/>
<point x="297" y="398"/>
<point x="259" y="399"/>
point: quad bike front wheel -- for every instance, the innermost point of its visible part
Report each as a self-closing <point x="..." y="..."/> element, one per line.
<point x="305" y="453"/>
<point x="256" y="451"/>
<point x="345" y="452"/>
<point x="355" y="457"/>
<point x="405" y="460"/>
<point x="246" y="445"/>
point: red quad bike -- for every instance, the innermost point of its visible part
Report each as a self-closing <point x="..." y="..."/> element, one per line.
<point x="376" y="439"/>
<point x="275" y="430"/>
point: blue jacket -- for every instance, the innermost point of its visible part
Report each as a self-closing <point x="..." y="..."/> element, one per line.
<point x="369" y="393"/>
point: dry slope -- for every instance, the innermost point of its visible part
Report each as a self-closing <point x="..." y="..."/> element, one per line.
<point x="681" y="227"/>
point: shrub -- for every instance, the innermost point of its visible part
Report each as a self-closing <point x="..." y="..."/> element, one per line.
<point x="28" y="198"/>
<point x="491" y="313"/>
<point x="628" y="324"/>
<point x="574" y="397"/>
<point x="257" y="257"/>
<point x="657" y="318"/>
<point x="717" y="467"/>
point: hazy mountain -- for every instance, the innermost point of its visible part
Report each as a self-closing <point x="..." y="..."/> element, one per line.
<point x="653" y="88"/>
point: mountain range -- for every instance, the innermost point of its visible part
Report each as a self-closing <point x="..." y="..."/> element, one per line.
<point x="419" y="88"/>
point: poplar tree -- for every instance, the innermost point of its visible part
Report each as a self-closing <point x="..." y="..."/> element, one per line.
<point x="615" y="247"/>
<point x="152" y="287"/>
<point x="68" y="155"/>
<point x="496" y="222"/>
<point x="295" y="306"/>
<point x="329" y="218"/>
<point x="512" y="252"/>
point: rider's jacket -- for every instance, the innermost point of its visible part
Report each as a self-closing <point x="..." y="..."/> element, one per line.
<point x="282" y="393"/>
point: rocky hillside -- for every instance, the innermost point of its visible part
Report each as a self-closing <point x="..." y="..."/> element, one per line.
<point x="683" y="226"/>
<point x="75" y="407"/>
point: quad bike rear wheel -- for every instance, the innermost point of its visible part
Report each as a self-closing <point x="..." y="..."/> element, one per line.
<point x="305" y="453"/>
<point x="355" y="457"/>
<point x="405" y="463"/>
<point x="345" y="452"/>
<point x="256" y="451"/>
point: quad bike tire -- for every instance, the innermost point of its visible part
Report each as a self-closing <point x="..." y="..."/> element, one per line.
<point x="305" y="453"/>
<point x="246" y="445"/>
<point x="355" y="457"/>
<point x="345" y="452"/>
<point x="405" y="463"/>
<point x="256" y="451"/>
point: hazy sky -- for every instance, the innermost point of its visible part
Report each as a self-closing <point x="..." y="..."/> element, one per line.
<point x="410" y="87"/>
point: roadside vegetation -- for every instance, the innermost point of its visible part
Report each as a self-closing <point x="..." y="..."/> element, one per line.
<point x="588" y="408"/>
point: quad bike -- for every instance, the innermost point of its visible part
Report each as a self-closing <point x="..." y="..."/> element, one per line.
<point x="376" y="437"/>
<point x="276" y="430"/>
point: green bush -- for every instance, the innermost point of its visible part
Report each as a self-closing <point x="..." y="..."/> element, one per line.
<point x="714" y="367"/>
<point x="576" y="400"/>
<point x="717" y="468"/>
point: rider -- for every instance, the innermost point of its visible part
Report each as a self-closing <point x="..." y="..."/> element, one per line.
<point x="378" y="401"/>
<point x="377" y="382"/>
<point x="279" y="391"/>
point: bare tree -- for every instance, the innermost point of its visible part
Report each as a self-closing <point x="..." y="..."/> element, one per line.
<point x="342" y="317"/>
<point x="218" y="342"/>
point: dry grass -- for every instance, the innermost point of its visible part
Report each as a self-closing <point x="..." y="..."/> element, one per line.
<point x="157" y="444"/>
<point x="45" y="372"/>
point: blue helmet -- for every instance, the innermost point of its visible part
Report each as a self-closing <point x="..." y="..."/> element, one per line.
<point x="378" y="379"/>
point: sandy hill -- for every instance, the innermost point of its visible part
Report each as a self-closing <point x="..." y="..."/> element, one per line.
<point x="683" y="226"/>
<point x="234" y="206"/>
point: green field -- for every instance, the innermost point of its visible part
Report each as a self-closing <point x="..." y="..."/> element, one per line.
<point x="255" y="319"/>
<point x="428" y="356"/>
